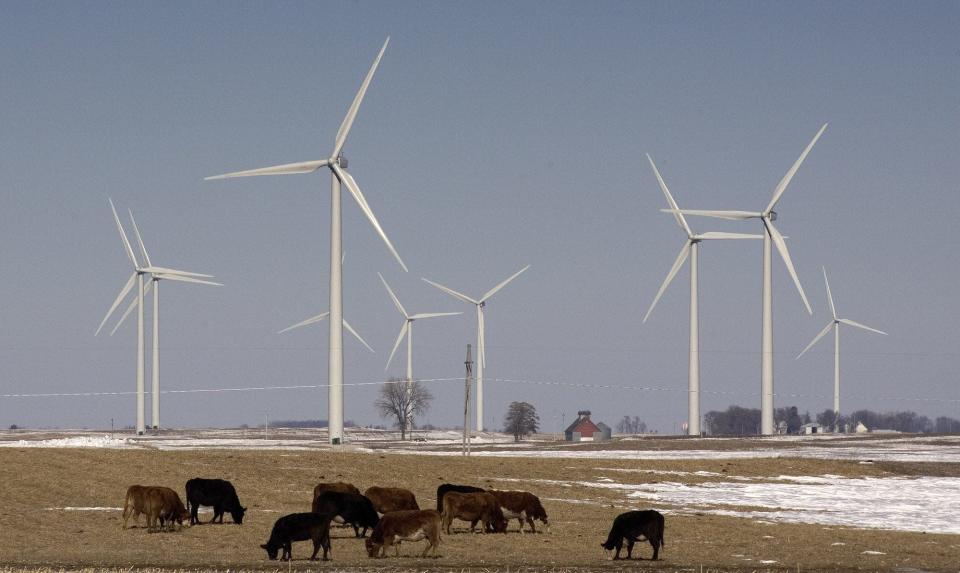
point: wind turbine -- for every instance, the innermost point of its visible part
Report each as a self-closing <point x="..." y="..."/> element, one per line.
<point x="157" y="273"/>
<point x="481" y="346"/>
<point x="835" y="325"/>
<point x="407" y="330"/>
<point x="771" y="236"/>
<point x="337" y="164"/>
<point x="691" y="248"/>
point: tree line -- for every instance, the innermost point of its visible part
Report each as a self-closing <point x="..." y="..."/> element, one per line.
<point x="740" y="421"/>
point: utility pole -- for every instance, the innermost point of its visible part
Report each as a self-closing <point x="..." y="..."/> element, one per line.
<point x="466" y="403"/>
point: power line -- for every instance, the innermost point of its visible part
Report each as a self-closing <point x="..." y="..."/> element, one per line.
<point x="555" y="383"/>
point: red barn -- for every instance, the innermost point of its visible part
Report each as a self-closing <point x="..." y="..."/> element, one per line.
<point x="584" y="430"/>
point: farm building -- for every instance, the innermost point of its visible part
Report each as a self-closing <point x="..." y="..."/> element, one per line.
<point x="812" y="428"/>
<point x="584" y="430"/>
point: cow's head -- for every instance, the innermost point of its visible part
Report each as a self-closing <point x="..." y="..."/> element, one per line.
<point x="237" y="514"/>
<point x="272" y="550"/>
<point x="373" y="548"/>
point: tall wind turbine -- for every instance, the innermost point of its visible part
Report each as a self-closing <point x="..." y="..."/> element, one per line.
<point x="771" y="236"/>
<point x="337" y="164"/>
<point x="481" y="346"/>
<point x="691" y="248"/>
<point x="137" y="276"/>
<point x="156" y="276"/>
<point x="835" y="325"/>
<point x="407" y="330"/>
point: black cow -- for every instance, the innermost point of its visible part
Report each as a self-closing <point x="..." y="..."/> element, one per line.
<point x="353" y="508"/>
<point x="441" y="490"/>
<point x="633" y="525"/>
<point x="217" y="493"/>
<point x="299" y="527"/>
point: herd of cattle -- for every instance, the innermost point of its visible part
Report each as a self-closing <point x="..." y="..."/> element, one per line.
<point x="392" y="513"/>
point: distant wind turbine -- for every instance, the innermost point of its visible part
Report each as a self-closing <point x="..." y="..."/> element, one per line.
<point x="771" y="236"/>
<point x="835" y="325"/>
<point x="337" y="164"/>
<point x="407" y="330"/>
<point x="481" y="345"/>
<point x="691" y="248"/>
<point x="157" y="274"/>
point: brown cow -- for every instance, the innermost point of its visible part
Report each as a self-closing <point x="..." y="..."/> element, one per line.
<point x="473" y="507"/>
<point x="521" y="505"/>
<point x="159" y="504"/>
<point x="399" y="526"/>
<point x="341" y="486"/>
<point x="387" y="499"/>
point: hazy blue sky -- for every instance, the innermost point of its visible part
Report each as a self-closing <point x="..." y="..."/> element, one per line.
<point x="495" y="134"/>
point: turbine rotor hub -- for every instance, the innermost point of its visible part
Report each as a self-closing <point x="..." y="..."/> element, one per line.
<point x="772" y="215"/>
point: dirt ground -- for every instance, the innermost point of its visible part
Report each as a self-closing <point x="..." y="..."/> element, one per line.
<point x="39" y="535"/>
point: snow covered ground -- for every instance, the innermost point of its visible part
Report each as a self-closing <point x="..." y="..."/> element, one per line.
<point x="899" y="503"/>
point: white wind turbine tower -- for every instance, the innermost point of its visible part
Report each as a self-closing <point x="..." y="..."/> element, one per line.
<point x="481" y="346"/>
<point x="835" y="325"/>
<point x="407" y="330"/>
<point x="157" y="273"/>
<point x="691" y="248"/>
<point x="771" y="236"/>
<point x="337" y="164"/>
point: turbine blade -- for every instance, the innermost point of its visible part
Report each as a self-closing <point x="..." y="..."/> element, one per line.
<point x="403" y="332"/>
<point x="136" y="231"/>
<point x="433" y="315"/>
<point x="123" y="236"/>
<point x="833" y="309"/>
<point x="724" y="235"/>
<point x="673" y="272"/>
<point x="285" y="169"/>
<point x="169" y="271"/>
<point x="347" y="122"/>
<point x="677" y="214"/>
<point x="181" y="278"/>
<point x="354" y="189"/>
<point x="307" y="322"/>
<point x="823" y="333"/>
<point x="782" y="186"/>
<point x="785" y="255"/>
<point x="123" y="293"/>
<point x="494" y="290"/>
<point x="357" y="336"/>
<point x="451" y="292"/>
<point x="730" y="215"/>
<point x="849" y="322"/>
<point x="130" y="307"/>
<point x="396" y="301"/>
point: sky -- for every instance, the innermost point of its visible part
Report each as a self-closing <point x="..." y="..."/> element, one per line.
<point x="494" y="135"/>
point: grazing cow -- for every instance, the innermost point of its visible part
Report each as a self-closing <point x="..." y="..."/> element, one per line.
<point x="299" y="527"/>
<point x="387" y="499"/>
<point x="521" y="505"/>
<point x="444" y="488"/>
<point x="217" y="493"/>
<point x="342" y="487"/>
<point x="633" y="525"/>
<point x="159" y="504"/>
<point x="352" y="508"/>
<point x="473" y="507"/>
<point x="401" y="526"/>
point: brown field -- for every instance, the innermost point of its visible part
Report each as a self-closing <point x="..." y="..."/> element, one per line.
<point x="39" y="536"/>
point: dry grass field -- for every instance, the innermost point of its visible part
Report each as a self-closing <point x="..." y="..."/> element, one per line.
<point x="40" y="535"/>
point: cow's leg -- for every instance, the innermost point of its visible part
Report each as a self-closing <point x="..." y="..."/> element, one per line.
<point x="655" y="542"/>
<point x="630" y="548"/>
<point x="287" y="551"/>
<point x="127" y="510"/>
<point x="533" y="528"/>
<point x="194" y="508"/>
<point x="616" y="556"/>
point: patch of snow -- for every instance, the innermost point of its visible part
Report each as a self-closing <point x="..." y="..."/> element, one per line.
<point x="104" y="441"/>
<point x="767" y="561"/>
<point x="84" y="509"/>
<point x="873" y="553"/>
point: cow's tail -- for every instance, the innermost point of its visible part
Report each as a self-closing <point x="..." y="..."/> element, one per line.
<point x="662" y="529"/>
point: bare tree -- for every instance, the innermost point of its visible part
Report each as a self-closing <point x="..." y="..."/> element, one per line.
<point x="521" y="419"/>
<point x="630" y="425"/>
<point x="400" y="402"/>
